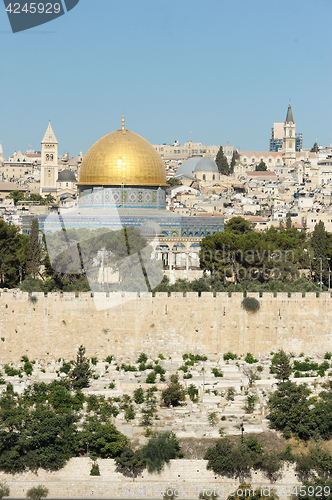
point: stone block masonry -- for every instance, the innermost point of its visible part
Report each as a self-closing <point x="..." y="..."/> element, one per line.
<point x="189" y="477"/>
<point x="124" y="325"/>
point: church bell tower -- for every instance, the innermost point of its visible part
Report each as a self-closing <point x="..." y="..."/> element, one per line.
<point x="49" y="163"/>
<point x="289" y="139"/>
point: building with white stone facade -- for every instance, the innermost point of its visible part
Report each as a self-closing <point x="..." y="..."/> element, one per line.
<point x="177" y="152"/>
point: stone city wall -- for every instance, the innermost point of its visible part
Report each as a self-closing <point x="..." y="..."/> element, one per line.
<point x="186" y="477"/>
<point x="54" y="325"/>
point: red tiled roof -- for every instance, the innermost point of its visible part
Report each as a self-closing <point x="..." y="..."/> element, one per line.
<point x="256" y="219"/>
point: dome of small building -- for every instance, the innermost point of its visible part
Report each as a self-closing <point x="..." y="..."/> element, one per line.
<point x="66" y="176"/>
<point x="150" y="229"/>
<point x="206" y="164"/>
<point x="188" y="166"/>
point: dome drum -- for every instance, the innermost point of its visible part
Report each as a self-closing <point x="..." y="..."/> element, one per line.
<point x="125" y="197"/>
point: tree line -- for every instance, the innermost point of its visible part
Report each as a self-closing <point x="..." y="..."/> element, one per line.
<point x="279" y="259"/>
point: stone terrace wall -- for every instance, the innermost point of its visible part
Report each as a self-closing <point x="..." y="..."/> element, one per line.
<point x="124" y="325"/>
<point x="74" y="481"/>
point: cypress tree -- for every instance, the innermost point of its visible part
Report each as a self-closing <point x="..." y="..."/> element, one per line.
<point x="288" y="221"/>
<point x="232" y="165"/>
<point x="314" y="148"/>
<point x="222" y="162"/>
<point x="318" y="243"/>
<point x="34" y="252"/>
<point x="81" y="374"/>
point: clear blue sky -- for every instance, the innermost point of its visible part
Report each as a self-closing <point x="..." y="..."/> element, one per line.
<point x="223" y="70"/>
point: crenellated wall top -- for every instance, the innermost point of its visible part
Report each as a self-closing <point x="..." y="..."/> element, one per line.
<point x="18" y="294"/>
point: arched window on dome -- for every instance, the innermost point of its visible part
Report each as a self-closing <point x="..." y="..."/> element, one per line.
<point x="213" y="177"/>
<point x="204" y="177"/>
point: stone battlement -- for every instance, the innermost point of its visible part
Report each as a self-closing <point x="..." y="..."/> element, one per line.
<point x="123" y="324"/>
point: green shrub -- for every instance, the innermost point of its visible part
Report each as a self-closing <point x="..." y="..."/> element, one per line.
<point x="212" y="418"/>
<point x="93" y="403"/>
<point x="226" y="457"/>
<point x="109" y="359"/>
<point x="151" y="378"/>
<point x="187" y="376"/>
<point x="33" y="299"/>
<point x="128" y="368"/>
<point x="208" y="494"/>
<point x="111" y="385"/>
<point x="250" y="402"/>
<point x="4" y="490"/>
<point x="250" y="358"/>
<point x="159" y="369"/>
<point x="322" y="368"/>
<point x="66" y="367"/>
<point x="161" y="448"/>
<point x="189" y="362"/>
<point x="305" y="366"/>
<point x="142" y="358"/>
<point x="194" y="357"/>
<point x="11" y="372"/>
<point x="169" y="493"/>
<point x="160" y="356"/>
<point x="230" y="394"/>
<point x="217" y="373"/>
<point x="27" y="367"/>
<point x="37" y="492"/>
<point x="174" y="393"/>
<point x="131" y="461"/>
<point x="139" y="396"/>
<point x="327" y="355"/>
<point x="94" y="361"/>
<point x="95" y="470"/>
<point x="250" y="304"/>
<point x="129" y="414"/>
<point x="229" y="355"/>
<point x="260" y="368"/>
<point x="193" y="393"/>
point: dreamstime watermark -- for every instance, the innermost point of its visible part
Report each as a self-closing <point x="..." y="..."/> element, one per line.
<point x="25" y="15"/>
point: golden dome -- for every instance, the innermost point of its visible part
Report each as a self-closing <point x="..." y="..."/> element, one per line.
<point x="122" y="157"/>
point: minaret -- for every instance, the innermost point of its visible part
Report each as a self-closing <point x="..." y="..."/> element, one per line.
<point x="289" y="139"/>
<point x="49" y="162"/>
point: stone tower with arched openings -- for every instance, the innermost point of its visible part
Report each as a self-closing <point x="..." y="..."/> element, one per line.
<point x="49" y="163"/>
<point x="289" y="139"/>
